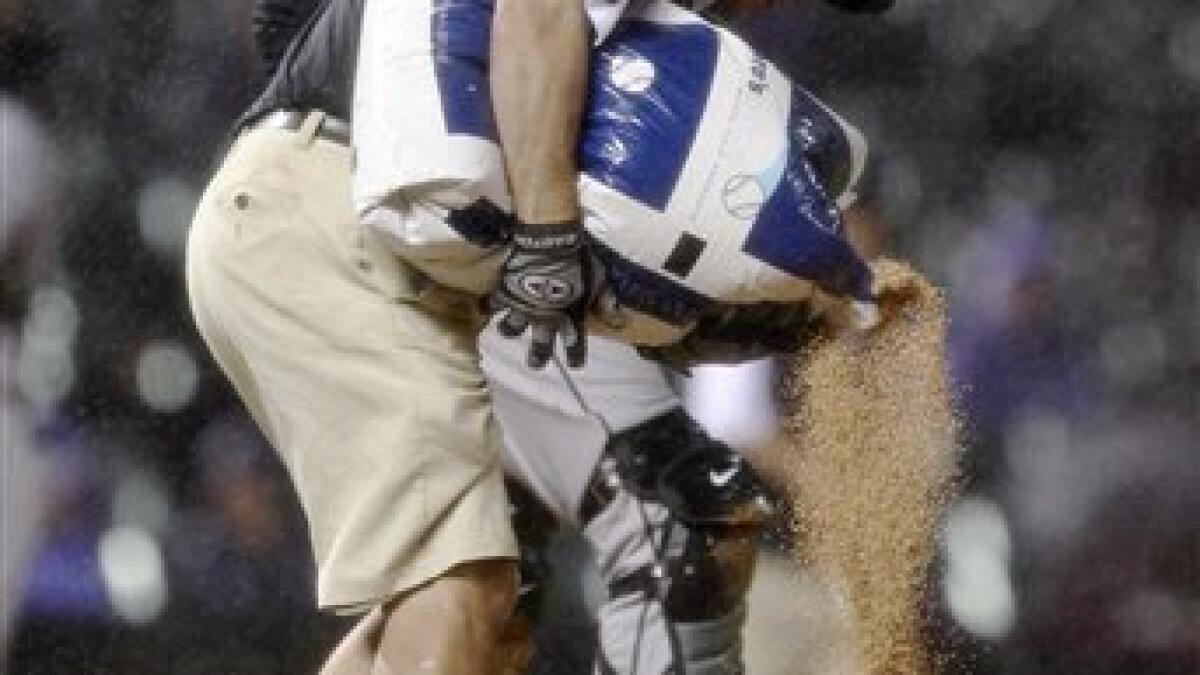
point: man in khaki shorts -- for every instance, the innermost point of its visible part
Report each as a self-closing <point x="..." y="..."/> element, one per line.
<point x="365" y="379"/>
<point x="387" y="434"/>
<point x="363" y="375"/>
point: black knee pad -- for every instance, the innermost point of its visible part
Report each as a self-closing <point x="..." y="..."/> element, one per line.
<point x="702" y="481"/>
<point x="710" y="492"/>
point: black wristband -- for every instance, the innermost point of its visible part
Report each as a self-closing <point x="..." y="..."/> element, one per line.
<point x="565" y="236"/>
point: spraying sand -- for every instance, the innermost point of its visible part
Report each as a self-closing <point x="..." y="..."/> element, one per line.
<point x="870" y="460"/>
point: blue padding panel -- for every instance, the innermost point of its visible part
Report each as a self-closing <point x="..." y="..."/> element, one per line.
<point x="799" y="231"/>
<point x="820" y="138"/>
<point x="637" y="142"/>
<point x="461" y="33"/>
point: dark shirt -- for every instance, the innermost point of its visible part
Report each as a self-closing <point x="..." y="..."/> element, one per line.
<point x="275" y="24"/>
<point x="316" y="71"/>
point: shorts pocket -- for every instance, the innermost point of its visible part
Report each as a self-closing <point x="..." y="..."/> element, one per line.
<point x="261" y="199"/>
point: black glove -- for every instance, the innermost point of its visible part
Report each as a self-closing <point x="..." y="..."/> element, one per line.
<point x="547" y="283"/>
<point x="740" y="333"/>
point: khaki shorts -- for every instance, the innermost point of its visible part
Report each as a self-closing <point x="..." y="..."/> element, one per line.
<point x="368" y="387"/>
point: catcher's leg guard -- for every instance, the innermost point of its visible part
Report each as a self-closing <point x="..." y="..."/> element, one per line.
<point x="673" y="514"/>
<point x="534" y="526"/>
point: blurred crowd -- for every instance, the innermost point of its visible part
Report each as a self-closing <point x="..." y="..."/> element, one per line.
<point x="1037" y="158"/>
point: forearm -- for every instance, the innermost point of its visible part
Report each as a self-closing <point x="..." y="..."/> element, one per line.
<point x="539" y="72"/>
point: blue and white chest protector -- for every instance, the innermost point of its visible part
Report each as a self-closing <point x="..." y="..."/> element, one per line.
<point x="706" y="175"/>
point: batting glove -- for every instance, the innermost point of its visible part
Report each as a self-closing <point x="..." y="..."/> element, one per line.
<point x="546" y="285"/>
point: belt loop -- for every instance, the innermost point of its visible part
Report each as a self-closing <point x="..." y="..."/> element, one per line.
<point x="307" y="133"/>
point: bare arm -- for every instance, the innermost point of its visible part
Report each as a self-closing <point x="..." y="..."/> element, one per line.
<point x="539" y="71"/>
<point x="538" y="79"/>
